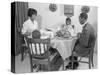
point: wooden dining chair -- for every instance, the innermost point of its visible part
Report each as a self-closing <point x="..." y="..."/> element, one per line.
<point x="91" y="45"/>
<point x="24" y="50"/>
<point x="39" y="52"/>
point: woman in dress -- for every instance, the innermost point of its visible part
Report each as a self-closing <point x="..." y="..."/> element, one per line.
<point x="31" y="24"/>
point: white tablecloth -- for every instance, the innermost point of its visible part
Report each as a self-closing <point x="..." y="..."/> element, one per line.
<point x="64" y="46"/>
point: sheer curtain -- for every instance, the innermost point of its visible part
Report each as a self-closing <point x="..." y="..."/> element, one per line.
<point x="20" y="16"/>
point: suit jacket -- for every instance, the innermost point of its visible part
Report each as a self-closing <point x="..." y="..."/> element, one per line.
<point x="83" y="43"/>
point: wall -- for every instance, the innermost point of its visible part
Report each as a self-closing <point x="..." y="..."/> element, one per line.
<point x="48" y="19"/>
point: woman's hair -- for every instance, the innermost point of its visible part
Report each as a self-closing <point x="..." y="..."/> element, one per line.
<point x="36" y="34"/>
<point x="83" y="16"/>
<point x="31" y="12"/>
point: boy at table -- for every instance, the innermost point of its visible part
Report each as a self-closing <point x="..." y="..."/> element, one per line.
<point x="36" y="34"/>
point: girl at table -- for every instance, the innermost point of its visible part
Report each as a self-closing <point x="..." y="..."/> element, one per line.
<point x="31" y="24"/>
<point x="66" y="30"/>
<point x="70" y="27"/>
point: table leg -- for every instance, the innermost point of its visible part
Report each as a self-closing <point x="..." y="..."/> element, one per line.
<point x="63" y="66"/>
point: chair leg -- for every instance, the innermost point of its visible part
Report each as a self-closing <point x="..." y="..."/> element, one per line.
<point x="92" y="61"/>
<point x="72" y="60"/>
<point x="89" y="63"/>
<point x="31" y="68"/>
<point x="63" y="66"/>
<point x="49" y="68"/>
<point x="31" y="64"/>
<point x="22" y="56"/>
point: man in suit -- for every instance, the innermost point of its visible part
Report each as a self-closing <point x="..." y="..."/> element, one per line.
<point x="85" y="41"/>
<point x="85" y="38"/>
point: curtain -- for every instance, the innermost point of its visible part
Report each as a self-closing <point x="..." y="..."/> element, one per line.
<point x="20" y="16"/>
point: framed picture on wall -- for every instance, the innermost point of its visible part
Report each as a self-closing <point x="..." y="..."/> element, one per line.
<point x="68" y="10"/>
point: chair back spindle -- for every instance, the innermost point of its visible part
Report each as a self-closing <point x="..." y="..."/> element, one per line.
<point x="39" y="47"/>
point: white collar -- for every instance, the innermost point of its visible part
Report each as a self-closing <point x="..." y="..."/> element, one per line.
<point x="84" y="24"/>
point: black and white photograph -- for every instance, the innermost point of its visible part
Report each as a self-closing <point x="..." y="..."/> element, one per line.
<point x="50" y="37"/>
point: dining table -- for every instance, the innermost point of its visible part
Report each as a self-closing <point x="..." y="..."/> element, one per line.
<point x="63" y="45"/>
